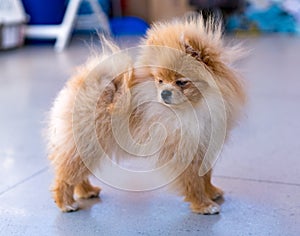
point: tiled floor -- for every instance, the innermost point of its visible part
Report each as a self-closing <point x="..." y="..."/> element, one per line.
<point x="259" y="168"/>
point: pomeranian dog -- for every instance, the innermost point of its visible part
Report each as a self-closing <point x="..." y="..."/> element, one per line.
<point x="174" y="107"/>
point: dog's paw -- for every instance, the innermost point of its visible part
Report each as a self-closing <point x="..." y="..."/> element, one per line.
<point x="90" y="194"/>
<point x="70" y="207"/>
<point x="211" y="208"/>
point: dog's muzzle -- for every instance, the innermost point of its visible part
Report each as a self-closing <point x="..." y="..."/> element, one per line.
<point x="166" y="95"/>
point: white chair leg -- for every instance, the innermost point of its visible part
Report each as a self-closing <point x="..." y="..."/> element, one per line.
<point x="97" y="9"/>
<point x="66" y="27"/>
<point x="63" y="32"/>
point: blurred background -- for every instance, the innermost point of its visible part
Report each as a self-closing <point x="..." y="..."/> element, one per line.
<point x="34" y="20"/>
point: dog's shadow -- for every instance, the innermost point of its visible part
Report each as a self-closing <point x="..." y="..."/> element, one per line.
<point x="95" y="217"/>
<point x="87" y="204"/>
<point x="74" y="223"/>
<point x="220" y="200"/>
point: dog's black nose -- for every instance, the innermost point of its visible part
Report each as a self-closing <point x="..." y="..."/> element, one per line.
<point x="166" y="95"/>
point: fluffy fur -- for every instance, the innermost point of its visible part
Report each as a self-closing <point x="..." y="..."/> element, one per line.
<point x="182" y="80"/>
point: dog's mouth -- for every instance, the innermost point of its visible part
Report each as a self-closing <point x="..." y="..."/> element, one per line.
<point x="168" y="102"/>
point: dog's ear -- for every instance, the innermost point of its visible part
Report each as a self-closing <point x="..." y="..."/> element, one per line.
<point x="202" y="51"/>
<point x="189" y="49"/>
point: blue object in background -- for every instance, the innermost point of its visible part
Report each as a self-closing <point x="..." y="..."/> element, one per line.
<point x="272" y="19"/>
<point x="52" y="12"/>
<point x="85" y="7"/>
<point x="128" y="26"/>
<point x="236" y="22"/>
<point x="45" y="11"/>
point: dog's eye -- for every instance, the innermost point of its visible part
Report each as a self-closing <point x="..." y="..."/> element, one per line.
<point x="160" y="81"/>
<point x="181" y="83"/>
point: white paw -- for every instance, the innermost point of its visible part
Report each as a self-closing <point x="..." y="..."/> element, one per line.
<point x="209" y="209"/>
<point x="213" y="209"/>
<point x="69" y="208"/>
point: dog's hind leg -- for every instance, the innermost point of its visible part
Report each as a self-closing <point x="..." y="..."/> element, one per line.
<point x="63" y="196"/>
<point x="70" y="171"/>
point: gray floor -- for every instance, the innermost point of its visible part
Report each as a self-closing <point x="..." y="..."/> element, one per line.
<point x="259" y="168"/>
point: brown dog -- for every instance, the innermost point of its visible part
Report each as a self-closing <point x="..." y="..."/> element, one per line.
<point x="182" y="80"/>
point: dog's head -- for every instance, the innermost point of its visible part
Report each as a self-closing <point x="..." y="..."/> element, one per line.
<point x="186" y="59"/>
<point x="175" y="88"/>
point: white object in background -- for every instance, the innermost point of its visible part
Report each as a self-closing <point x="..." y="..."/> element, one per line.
<point x="261" y="4"/>
<point x="293" y="6"/>
<point x="12" y="19"/>
<point x="63" y="32"/>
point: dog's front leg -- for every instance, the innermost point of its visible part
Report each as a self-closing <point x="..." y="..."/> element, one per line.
<point x="198" y="190"/>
